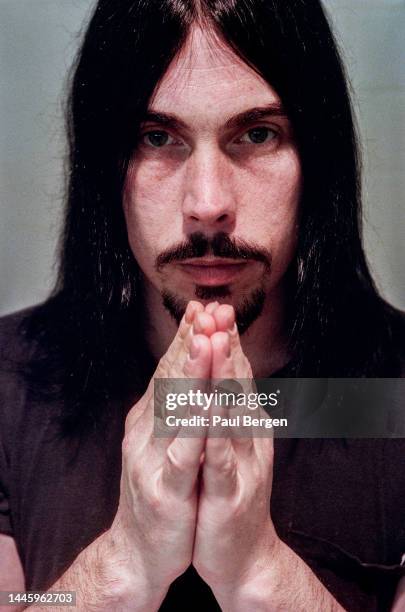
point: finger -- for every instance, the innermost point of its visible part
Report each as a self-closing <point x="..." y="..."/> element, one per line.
<point x="220" y="471"/>
<point x="186" y="323"/>
<point x="183" y="453"/>
<point x="211" y="307"/>
<point x="195" y="363"/>
<point x="188" y="363"/>
<point x="243" y="368"/>
<point x="227" y="362"/>
<point x="172" y="364"/>
<point x="189" y="375"/>
<point x="155" y="435"/>
<point x="224" y="366"/>
<point x="224" y="317"/>
<point x="198" y="362"/>
<point x="204" y="323"/>
<point x="182" y="465"/>
<point x="182" y="339"/>
<point x="201" y="323"/>
<point x="193" y="307"/>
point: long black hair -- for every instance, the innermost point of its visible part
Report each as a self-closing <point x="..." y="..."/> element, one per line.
<point x="90" y="330"/>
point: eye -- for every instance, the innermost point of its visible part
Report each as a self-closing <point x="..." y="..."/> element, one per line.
<point x="258" y="135"/>
<point x="157" y="138"/>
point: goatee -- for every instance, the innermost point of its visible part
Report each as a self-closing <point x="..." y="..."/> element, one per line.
<point x="246" y="313"/>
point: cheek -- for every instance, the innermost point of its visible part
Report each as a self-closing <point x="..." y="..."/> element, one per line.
<point x="271" y="211"/>
<point x="148" y="209"/>
<point x="271" y="203"/>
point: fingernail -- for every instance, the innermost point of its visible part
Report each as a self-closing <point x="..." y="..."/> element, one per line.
<point x="211" y="307"/>
<point x="189" y="313"/>
<point x="194" y="349"/>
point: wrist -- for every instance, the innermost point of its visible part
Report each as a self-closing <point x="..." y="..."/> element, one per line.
<point x="122" y="579"/>
<point x="283" y="582"/>
<point x="256" y="588"/>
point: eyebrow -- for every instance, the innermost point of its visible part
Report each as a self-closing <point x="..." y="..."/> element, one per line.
<point x="241" y="119"/>
<point x="255" y="114"/>
<point x="165" y="119"/>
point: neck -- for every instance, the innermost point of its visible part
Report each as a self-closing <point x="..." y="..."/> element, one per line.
<point x="264" y="343"/>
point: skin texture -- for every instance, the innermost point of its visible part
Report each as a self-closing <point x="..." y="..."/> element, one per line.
<point x="161" y="473"/>
<point x="225" y="528"/>
<point x="203" y="172"/>
<point x="237" y="473"/>
<point x="210" y="177"/>
<point x="11" y="570"/>
<point x="204" y="500"/>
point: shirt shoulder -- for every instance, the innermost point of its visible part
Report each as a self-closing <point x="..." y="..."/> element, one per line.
<point x="12" y="336"/>
<point x="14" y="353"/>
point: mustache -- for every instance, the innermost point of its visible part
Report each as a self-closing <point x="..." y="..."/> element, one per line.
<point x="218" y="245"/>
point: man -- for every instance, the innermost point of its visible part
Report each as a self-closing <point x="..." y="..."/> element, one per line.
<point x="211" y="232"/>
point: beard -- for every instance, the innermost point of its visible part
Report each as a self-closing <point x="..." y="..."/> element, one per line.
<point x="245" y="313"/>
<point x="219" y="245"/>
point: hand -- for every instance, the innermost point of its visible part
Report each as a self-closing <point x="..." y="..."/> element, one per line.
<point x="155" y="522"/>
<point x="235" y="536"/>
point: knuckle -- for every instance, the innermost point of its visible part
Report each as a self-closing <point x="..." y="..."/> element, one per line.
<point x="134" y="478"/>
<point x="162" y="371"/>
<point x="188" y="369"/>
<point x="226" y="464"/>
<point x="126" y="447"/>
<point x="130" y="420"/>
<point x="161" y="391"/>
<point x="154" y="502"/>
<point x="135" y="412"/>
<point x="238" y="509"/>
<point x="132" y="449"/>
<point x="178" y="461"/>
<point x="228" y="467"/>
<point x="168" y="370"/>
<point x="183" y="330"/>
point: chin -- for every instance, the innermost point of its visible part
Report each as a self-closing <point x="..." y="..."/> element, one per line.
<point x="247" y="309"/>
<point x="211" y="294"/>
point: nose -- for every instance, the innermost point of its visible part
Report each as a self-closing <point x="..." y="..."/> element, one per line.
<point x="209" y="204"/>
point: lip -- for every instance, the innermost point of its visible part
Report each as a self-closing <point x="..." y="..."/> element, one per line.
<point x="211" y="272"/>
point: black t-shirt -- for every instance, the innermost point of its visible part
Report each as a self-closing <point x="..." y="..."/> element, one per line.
<point x="339" y="504"/>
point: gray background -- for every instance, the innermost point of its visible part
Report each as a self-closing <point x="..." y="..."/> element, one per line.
<point x="38" y="39"/>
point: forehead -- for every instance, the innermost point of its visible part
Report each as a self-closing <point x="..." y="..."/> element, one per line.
<point x="208" y="81"/>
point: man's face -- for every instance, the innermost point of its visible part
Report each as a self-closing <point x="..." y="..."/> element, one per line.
<point x="211" y="196"/>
